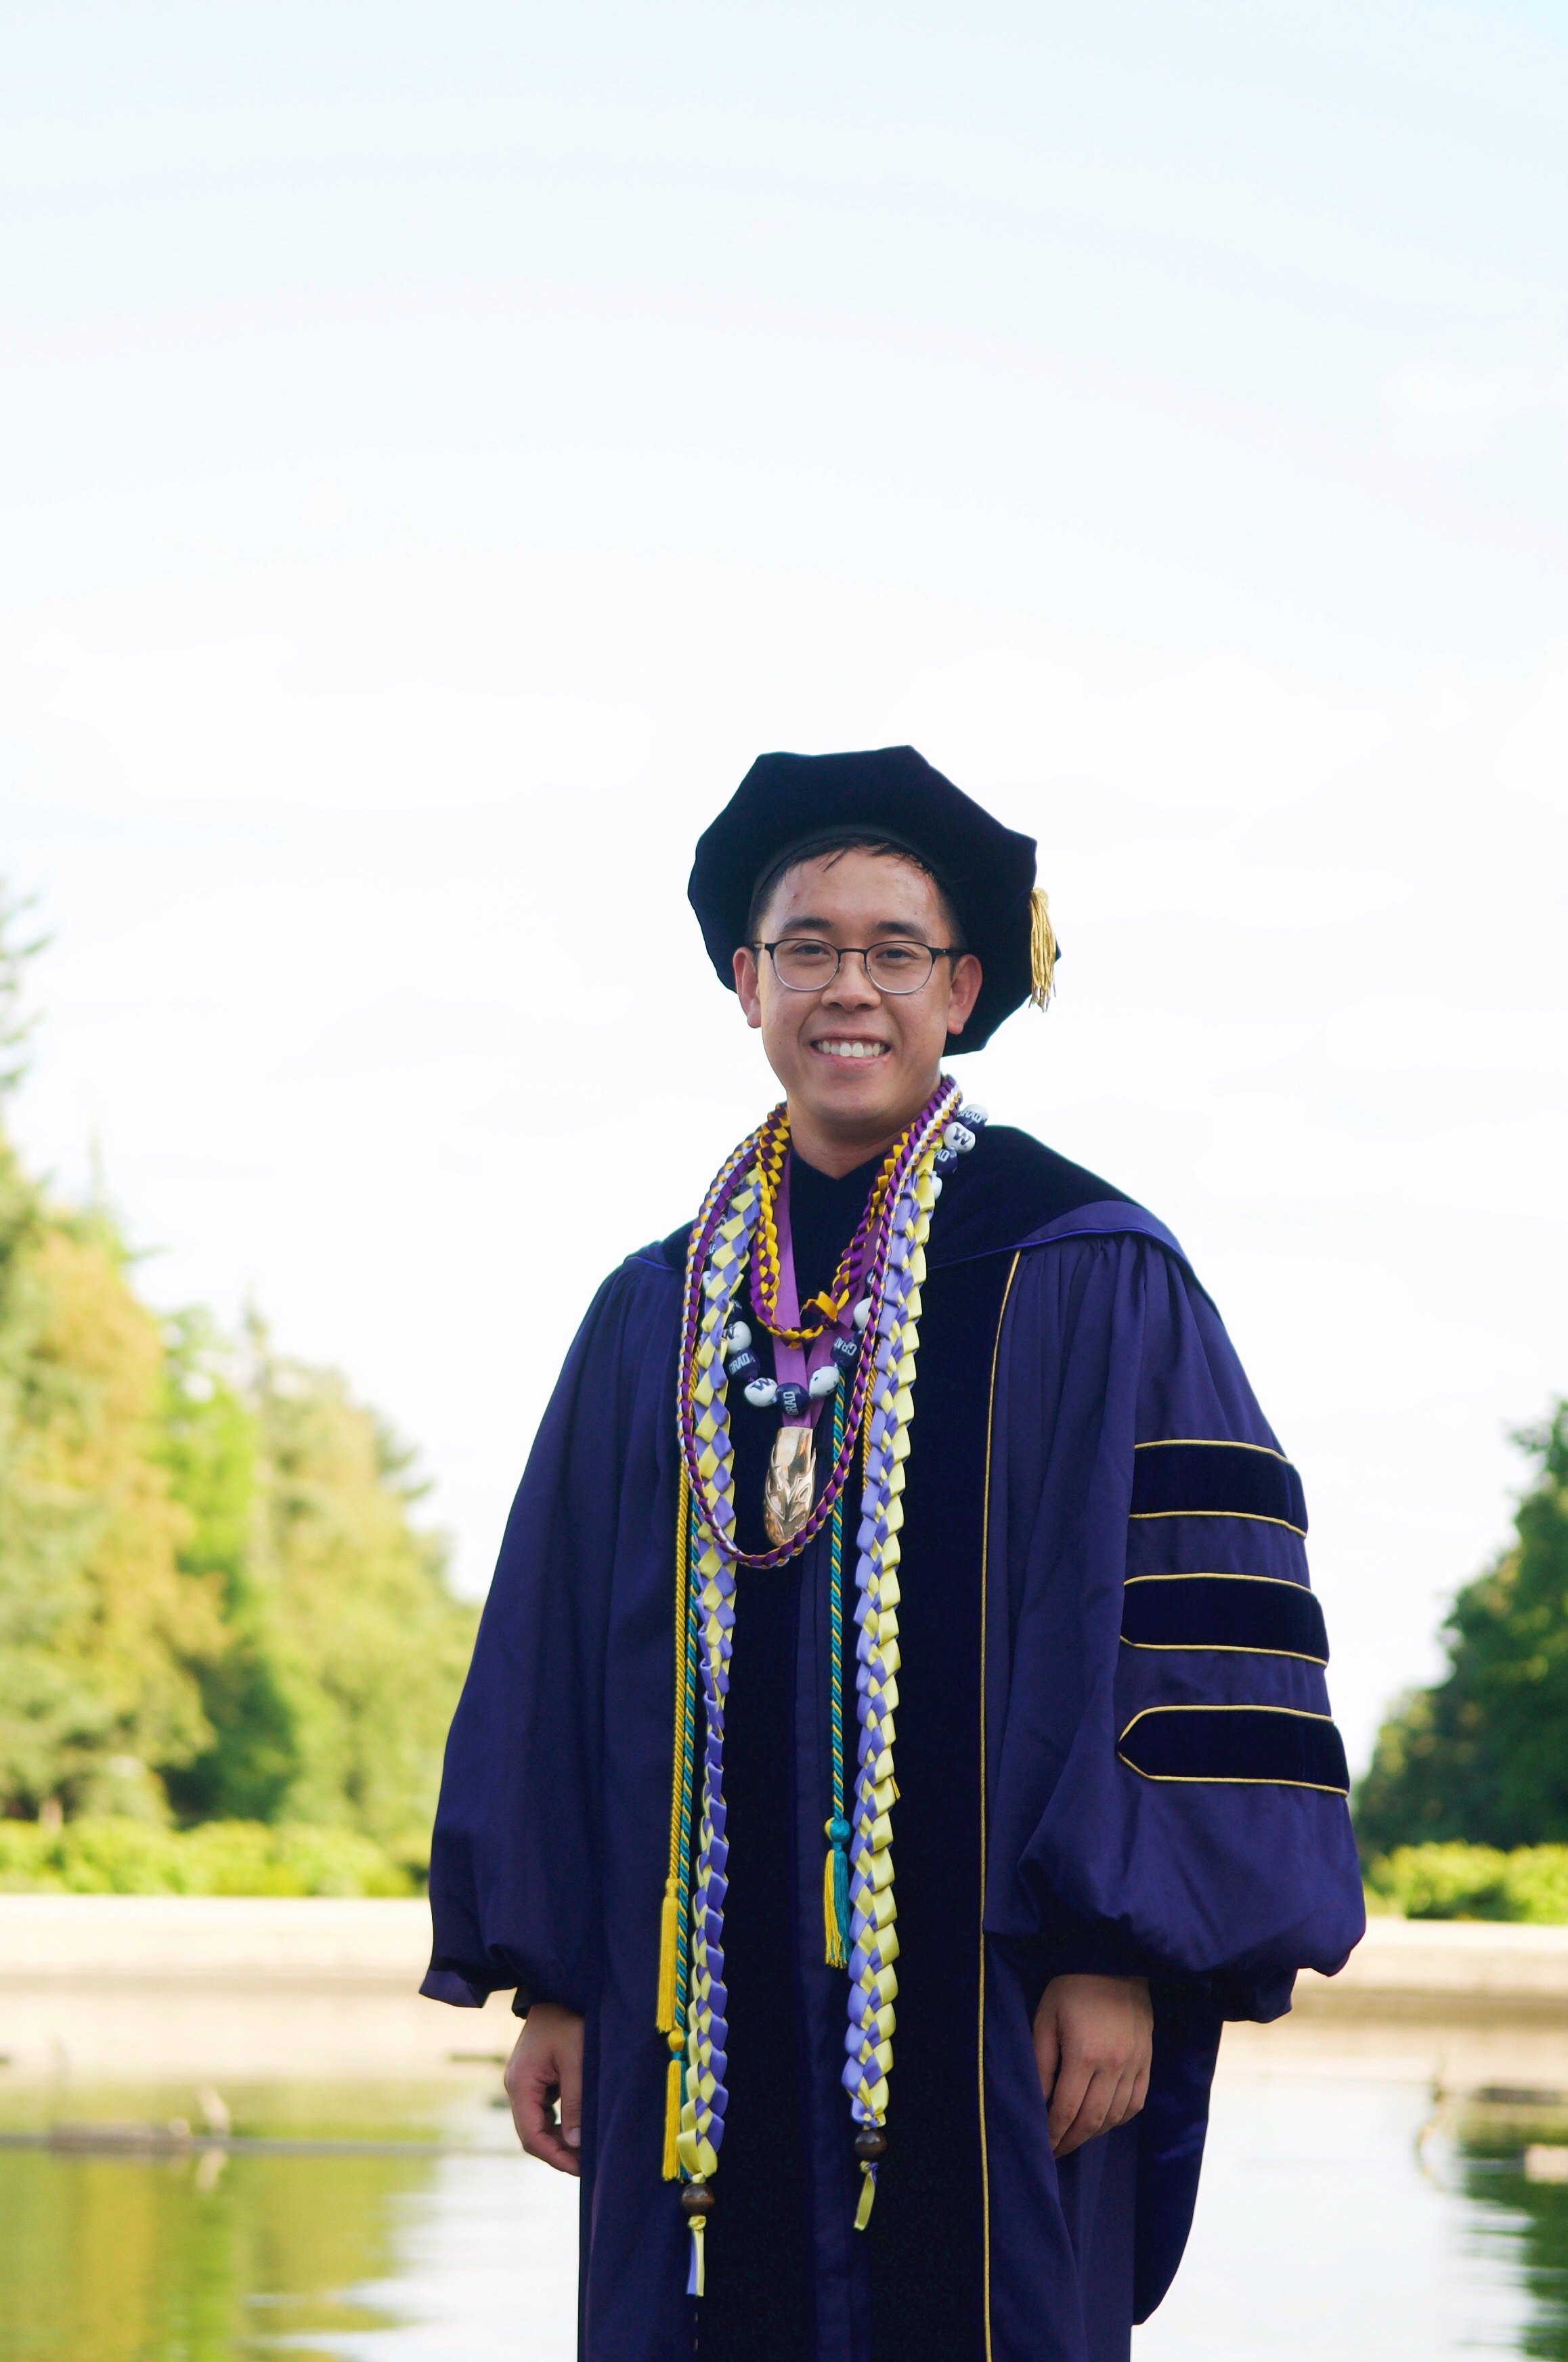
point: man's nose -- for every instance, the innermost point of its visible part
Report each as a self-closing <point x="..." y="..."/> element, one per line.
<point x="852" y="988"/>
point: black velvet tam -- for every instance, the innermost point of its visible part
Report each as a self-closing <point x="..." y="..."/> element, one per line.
<point x="987" y="870"/>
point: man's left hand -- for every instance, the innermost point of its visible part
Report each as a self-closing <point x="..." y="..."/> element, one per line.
<point x="1093" y="2041"/>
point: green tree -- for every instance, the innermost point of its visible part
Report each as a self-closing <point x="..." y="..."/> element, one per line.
<point x="345" y="1647"/>
<point x="99" y="1625"/>
<point x="209" y="1440"/>
<point x="214" y="1597"/>
<point x="1483" y="1755"/>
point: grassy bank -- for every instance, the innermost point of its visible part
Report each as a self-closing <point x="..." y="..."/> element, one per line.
<point x="126" y="1857"/>
<point x="1471" y="1882"/>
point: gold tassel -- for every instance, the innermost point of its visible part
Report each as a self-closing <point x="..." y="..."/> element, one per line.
<point x="833" y="1934"/>
<point x="671" y="2121"/>
<point x="1041" y="948"/>
<point x="867" y="2196"/>
<point x="665" y="2018"/>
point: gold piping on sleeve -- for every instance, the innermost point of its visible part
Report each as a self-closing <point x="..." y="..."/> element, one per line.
<point x="1211" y="1443"/>
<point x="1218" y="1649"/>
<point x="1245" y="1516"/>
<point x="1219" y="1575"/>
<point x="985" y="1594"/>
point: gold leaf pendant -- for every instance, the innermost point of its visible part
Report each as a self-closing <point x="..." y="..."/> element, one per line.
<point x="791" y="1481"/>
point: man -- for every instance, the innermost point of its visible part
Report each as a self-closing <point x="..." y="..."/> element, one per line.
<point x="903" y="1574"/>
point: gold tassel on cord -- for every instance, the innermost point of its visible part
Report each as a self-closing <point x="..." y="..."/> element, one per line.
<point x="1041" y="948"/>
<point x="832" y="1933"/>
<point x="671" y="2121"/>
<point x="665" y="2018"/>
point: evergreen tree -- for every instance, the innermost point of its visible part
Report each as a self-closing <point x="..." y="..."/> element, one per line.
<point x="1484" y="1754"/>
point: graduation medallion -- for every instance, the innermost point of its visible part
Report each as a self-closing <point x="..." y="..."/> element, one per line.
<point x="789" y="1483"/>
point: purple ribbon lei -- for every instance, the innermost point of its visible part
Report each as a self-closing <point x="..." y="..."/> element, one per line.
<point x="933" y="1116"/>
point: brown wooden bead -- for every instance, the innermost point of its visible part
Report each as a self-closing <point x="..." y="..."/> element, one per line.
<point x="871" y="2143"/>
<point x="697" y="2198"/>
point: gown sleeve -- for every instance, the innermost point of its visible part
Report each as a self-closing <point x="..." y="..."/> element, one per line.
<point x="515" y="1882"/>
<point x="1170" y="1793"/>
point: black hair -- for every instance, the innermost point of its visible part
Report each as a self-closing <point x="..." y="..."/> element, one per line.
<point x="834" y="843"/>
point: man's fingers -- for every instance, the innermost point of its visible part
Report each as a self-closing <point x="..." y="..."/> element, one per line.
<point x="572" y="2098"/>
<point x="1108" y="2098"/>
<point x="1047" y="2054"/>
<point x="546" y="2066"/>
<point x="1093" y="2043"/>
<point x="1075" y="2080"/>
<point x="533" y="2091"/>
<point x="1090" y="2118"/>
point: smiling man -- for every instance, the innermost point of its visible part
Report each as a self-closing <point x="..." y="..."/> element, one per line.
<point x="897" y="1737"/>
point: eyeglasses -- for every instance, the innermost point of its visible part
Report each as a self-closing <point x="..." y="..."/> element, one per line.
<point x="805" y="964"/>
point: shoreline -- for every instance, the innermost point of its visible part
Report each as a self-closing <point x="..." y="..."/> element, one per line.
<point x="257" y="1986"/>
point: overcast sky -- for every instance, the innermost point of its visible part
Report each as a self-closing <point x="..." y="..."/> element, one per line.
<point x="440" y="448"/>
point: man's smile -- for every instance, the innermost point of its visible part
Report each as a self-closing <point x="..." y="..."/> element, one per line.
<point x="846" y="1046"/>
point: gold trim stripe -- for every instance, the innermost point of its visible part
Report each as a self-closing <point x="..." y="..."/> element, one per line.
<point x="984" y="1593"/>
<point x="1209" y="1780"/>
<point x="1218" y="1574"/>
<point x="1248" y="1517"/>
<point x="1218" y="1649"/>
<point x="1213" y="1443"/>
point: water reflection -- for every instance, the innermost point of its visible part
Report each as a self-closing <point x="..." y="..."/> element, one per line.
<point x="1342" y="2217"/>
<point x="1512" y="2156"/>
<point x="141" y="2257"/>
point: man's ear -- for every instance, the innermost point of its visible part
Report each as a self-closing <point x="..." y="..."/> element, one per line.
<point x="968" y="976"/>
<point x="748" y="984"/>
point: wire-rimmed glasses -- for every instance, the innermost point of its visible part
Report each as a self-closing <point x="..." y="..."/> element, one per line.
<point x="807" y="963"/>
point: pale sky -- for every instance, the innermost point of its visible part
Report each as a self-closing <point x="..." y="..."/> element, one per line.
<point x="440" y="448"/>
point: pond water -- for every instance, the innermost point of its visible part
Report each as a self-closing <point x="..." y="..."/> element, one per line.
<point x="1342" y="2219"/>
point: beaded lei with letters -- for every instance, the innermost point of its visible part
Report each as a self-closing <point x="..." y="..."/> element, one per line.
<point x="871" y="1382"/>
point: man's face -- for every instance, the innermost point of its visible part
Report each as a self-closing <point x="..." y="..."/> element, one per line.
<point x="856" y="1063"/>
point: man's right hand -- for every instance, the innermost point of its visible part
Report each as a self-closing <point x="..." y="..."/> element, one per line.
<point x="546" y="2066"/>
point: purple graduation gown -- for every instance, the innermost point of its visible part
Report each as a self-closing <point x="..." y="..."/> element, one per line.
<point x="1113" y="1755"/>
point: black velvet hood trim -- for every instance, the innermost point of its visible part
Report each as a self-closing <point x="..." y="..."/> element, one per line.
<point x="1009" y="1186"/>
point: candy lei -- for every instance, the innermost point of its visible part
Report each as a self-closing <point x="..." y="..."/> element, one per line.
<point x="693" y="2000"/>
<point x="772" y="1143"/>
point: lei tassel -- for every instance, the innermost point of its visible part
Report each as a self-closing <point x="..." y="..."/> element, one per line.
<point x="664" y="2015"/>
<point x="673" y="2118"/>
<point x="835" y="1895"/>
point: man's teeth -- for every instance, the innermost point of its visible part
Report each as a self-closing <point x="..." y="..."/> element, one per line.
<point x="853" y="1049"/>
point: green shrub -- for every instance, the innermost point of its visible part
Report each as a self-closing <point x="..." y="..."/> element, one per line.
<point x="126" y="1857"/>
<point x="1470" y="1882"/>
